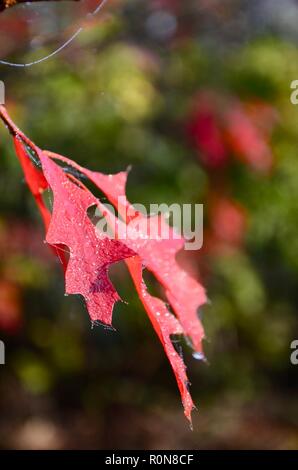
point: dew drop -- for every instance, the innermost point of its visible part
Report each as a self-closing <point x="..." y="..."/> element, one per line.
<point x="198" y="356"/>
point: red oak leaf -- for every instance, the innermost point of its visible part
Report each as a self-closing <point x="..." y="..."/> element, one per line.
<point x="164" y="322"/>
<point x="34" y="179"/>
<point x="165" y="325"/>
<point x="158" y="254"/>
<point x="91" y="252"/>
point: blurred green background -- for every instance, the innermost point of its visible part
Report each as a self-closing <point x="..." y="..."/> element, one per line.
<point x="195" y="95"/>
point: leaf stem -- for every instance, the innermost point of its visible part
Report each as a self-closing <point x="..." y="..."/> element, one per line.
<point x="14" y="130"/>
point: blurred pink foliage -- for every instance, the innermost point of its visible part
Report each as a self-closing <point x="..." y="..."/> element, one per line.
<point x="221" y="128"/>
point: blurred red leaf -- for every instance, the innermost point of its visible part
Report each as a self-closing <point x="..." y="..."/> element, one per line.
<point x="10" y="307"/>
<point x="204" y="129"/>
<point x="247" y="141"/>
<point x="219" y="127"/>
<point x="228" y="221"/>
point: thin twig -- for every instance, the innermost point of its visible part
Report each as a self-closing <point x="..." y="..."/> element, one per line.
<point x="4" y="4"/>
